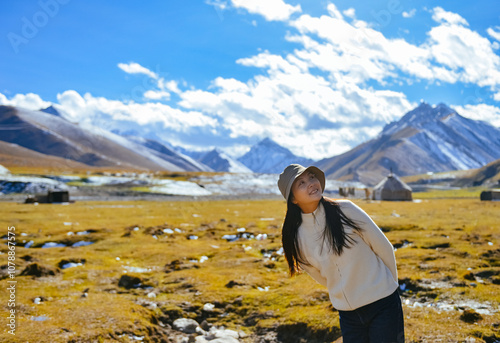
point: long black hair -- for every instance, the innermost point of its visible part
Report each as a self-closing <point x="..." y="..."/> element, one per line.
<point x="334" y="231"/>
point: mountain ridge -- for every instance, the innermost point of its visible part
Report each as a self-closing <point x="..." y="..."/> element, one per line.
<point x="267" y="156"/>
<point x="425" y="139"/>
<point x="53" y="135"/>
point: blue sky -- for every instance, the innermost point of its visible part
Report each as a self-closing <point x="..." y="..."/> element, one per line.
<point x="318" y="77"/>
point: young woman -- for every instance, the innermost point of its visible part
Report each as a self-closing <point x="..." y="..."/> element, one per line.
<point x="341" y="247"/>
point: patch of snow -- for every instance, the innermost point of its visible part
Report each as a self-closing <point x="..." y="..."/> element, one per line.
<point x="29" y="184"/>
<point x="53" y="245"/>
<point x="82" y="244"/>
<point x="137" y="269"/>
<point x="71" y="265"/>
<point x="178" y="188"/>
<point x="203" y="259"/>
<point x="3" y="170"/>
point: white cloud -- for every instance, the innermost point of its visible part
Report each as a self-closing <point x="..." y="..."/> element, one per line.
<point x="409" y="14"/>
<point x="270" y="9"/>
<point x="136" y="68"/>
<point x="309" y="114"/>
<point x="230" y="85"/>
<point x="487" y="113"/>
<point x="441" y="16"/>
<point x="88" y="109"/>
<point x="29" y="101"/>
<point x="452" y="53"/>
<point x="350" y="12"/>
<point x="323" y="114"/>
<point x="157" y="95"/>
<point x="494" y="34"/>
<point x="466" y="53"/>
<point x="218" y="4"/>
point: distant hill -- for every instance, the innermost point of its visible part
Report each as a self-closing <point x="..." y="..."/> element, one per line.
<point x="426" y="139"/>
<point x="488" y="176"/>
<point x="216" y="160"/>
<point x="268" y="156"/>
<point x="221" y="162"/>
<point x="166" y="153"/>
<point x="14" y="155"/>
<point x="50" y="134"/>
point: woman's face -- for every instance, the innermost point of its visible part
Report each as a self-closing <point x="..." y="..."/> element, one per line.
<point x="307" y="192"/>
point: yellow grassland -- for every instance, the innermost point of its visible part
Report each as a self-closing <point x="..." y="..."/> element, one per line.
<point x="464" y="230"/>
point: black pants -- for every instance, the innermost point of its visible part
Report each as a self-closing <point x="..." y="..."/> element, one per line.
<point x="379" y="322"/>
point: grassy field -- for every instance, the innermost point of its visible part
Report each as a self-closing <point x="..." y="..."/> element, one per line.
<point x="448" y="259"/>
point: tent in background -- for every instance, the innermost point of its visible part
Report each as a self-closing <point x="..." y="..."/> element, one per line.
<point x="392" y="188"/>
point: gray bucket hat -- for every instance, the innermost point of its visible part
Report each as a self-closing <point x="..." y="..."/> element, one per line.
<point x="292" y="172"/>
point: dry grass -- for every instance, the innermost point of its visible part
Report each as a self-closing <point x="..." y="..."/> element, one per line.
<point x="448" y="240"/>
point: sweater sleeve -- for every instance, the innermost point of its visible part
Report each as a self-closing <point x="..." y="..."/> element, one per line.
<point x="314" y="273"/>
<point x="373" y="236"/>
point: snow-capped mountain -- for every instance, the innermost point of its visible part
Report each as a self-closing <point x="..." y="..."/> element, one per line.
<point x="52" y="135"/>
<point x="162" y="151"/>
<point x="426" y="139"/>
<point x="268" y="156"/>
<point x="221" y="162"/>
<point x="216" y="159"/>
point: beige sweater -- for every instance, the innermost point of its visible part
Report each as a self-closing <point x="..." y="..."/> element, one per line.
<point x="364" y="273"/>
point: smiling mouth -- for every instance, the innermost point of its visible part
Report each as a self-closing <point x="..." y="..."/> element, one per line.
<point x="313" y="192"/>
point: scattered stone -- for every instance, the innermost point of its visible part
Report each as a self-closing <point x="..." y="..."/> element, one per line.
<point x="205" y="326"/>
<point x="470" y="276"/>
<point x="177" y="265"/>
<point x="155" y="230"/>
<point x="37" y="301"/>
<point x="63" y="264"/>
<point x="130" y="229"/>
<point x="232" y="283"/>
<point x="28" y="258"/>
<point x="208" y="307"/>
<point x="492" y="256"/>
<point x="470" y="316"/>
<point x="218" y="335"/>
<point x="254" y="317"/>
<point x="37" y="270"/>
<point x="238" y="301"/>
<point x="130" y="281"/>
<point x="402" y="244"/>
<point x="438" y="246"/>
<point x="185" y="325"/>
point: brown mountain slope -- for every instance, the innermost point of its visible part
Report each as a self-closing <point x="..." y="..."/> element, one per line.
<point x="373" y="160"/>
<point x="17" y="158"/>
<point x="52" y="135"/>
<point x="488" y="176"/>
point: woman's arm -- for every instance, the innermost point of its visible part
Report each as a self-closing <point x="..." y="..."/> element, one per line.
<point x="372" y="235"/>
